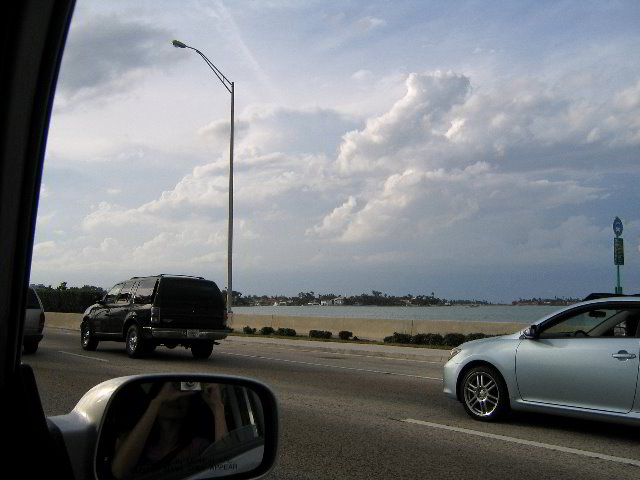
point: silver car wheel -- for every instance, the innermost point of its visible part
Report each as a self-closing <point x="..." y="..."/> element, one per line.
<point x="481" y="394"/>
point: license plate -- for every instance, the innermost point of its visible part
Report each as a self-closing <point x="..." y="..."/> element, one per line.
<point x="193" y="333"/>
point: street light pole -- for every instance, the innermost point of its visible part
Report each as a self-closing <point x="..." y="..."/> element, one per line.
<point x="230" y="88"/>
<point x="230" y="230"/>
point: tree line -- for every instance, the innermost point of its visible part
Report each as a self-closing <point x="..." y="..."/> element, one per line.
<point x="375" y="298"/>
<point x="68" y="299"/>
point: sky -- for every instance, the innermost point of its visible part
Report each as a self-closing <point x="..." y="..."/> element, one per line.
<point x="476" y="150"/>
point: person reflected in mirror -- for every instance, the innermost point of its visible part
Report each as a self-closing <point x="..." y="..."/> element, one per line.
<point x="171" y="430"/>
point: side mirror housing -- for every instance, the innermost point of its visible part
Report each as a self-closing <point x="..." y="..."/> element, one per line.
<point x="532" y="332"/>
<point x="228" y="427"/>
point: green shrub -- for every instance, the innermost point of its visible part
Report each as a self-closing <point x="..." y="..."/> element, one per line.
<point x="266" y="331"/>
<point x="345" y="335"/>
<point x="398" y="338"/>
<point x="454" y="339"/>
<point x="435" y="339"/>
<point x="402" y="337"/>
<point x="249" y="330"/>
<point x="320" y="334"/>
<point x="420" y="339"/>
<point x="286" y="332"/>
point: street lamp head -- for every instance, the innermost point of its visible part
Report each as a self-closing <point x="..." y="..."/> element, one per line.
<point x="178" y="44"/>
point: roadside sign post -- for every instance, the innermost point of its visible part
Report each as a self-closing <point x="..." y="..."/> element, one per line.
<point x="618" y="251"/>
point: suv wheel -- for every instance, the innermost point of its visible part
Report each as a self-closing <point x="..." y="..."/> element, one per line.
<point x="201" y="350"/>
<point x="484" y="394"/>
<point x="136" y="346"/>
<point x="87" y="340"/>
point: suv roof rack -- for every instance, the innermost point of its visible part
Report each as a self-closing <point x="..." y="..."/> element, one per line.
<point x="175" y="275"/>
<point x="169" y="275"/>
<point x="595" y="296"/>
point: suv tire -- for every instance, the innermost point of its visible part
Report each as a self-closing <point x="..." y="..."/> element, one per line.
<point x="201" y="350"/>
<point x="87" y="340"/>
<point x="136" y="347"/>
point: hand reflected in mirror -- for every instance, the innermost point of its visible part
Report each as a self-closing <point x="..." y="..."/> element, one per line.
<point x="213" y="398"/>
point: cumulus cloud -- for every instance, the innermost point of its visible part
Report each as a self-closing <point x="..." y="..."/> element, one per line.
<point x="442" y="121"/>
<point x="333" y="223"/>
<point x="296" y="130"/>
<point x="449" y="174"/>
<point x="412" y="122"/>
<point x="439" y="161"/>
<point x="629" y="98"/>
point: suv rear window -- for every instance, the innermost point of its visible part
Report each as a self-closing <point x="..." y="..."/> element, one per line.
<point x="181" y="291"/>
<point x="32" y="299"/>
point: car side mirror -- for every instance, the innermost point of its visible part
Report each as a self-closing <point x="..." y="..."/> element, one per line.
<point x="172" y="427"/>
<point x="532" y="332"/>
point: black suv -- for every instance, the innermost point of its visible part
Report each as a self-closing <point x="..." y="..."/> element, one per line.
<point x="168" y="310"/>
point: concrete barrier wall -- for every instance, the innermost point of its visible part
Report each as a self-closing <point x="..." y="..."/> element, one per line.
<point x="364" y="328"/>
<point x="63" y="320"/>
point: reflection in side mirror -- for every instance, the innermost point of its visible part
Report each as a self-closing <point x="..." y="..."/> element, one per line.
<point x="187" y="426"/>
<point x="532" y="332"/>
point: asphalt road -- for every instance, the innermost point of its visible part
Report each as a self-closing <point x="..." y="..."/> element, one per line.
<point x="361" y="416"/>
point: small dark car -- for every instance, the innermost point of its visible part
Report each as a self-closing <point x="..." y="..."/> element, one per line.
<point x="168" y="310"/>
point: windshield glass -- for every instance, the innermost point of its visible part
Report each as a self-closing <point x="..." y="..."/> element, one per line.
<point x="372" y="186"/>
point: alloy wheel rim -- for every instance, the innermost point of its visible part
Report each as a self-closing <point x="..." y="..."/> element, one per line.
<point x="481" y="394"/>
<point x="85" y="336"/>
<point x="133" y="341"/>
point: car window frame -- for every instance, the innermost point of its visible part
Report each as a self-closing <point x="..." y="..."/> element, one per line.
<point x="106" y="299"/>
<point x="33" y="37"/>
<point x="125" y="298"/>
<point x="567" y="314"/>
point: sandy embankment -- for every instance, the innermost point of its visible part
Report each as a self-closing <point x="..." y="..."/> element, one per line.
<point x="365" y="328"/>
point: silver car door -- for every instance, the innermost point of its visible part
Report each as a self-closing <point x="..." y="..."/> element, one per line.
<point x="575" y="369"/>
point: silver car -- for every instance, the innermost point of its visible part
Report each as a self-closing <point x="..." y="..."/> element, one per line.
<point x="33" y="322"/>
<point x="581" y="361"/>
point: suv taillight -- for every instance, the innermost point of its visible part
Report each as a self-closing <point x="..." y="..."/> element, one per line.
<point x="41" y="324"/>
<point x="155" y="314"/>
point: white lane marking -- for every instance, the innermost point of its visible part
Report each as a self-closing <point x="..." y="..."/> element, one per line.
<point x="328" y="366"/>
<point x="529" y="443"/>
<point x="84" y="356"/>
